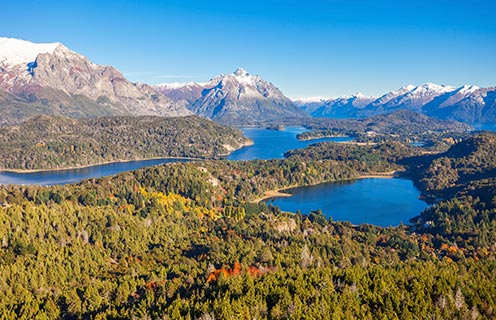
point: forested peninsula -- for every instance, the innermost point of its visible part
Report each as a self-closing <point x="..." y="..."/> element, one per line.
<point x="47" y="142"/>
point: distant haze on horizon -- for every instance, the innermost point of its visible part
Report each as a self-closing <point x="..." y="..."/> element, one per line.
<point x="312" y="48"/>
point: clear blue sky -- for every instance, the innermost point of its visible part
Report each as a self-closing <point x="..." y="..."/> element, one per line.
<point x="306" y="48"/>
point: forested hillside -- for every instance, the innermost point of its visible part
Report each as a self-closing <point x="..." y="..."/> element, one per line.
<point x="403" y="125"/>
<point x="464" y="179"/>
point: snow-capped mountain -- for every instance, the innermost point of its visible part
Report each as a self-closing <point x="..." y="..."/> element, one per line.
<point x="310" y="104"/>
<point x="237" y="98"/>
<point x="15" y="52"/>
<point x="410" y="97"/>
<point x="343" y="106"/>
<point x="466" y="103"/>
<point x="52" y="79"/>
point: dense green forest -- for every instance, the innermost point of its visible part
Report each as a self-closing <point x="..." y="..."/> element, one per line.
<point x="403" y="126"/>
<point x="47" y="142"/>
<point x="464" y="179"/>
<point x="374" y="158"/>
<point x="187" y="240"/>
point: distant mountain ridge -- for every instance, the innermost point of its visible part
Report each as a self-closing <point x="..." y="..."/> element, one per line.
<point x="466" y="103"/>
<point x="51" y="79"/>
<point x="237" y="98"/>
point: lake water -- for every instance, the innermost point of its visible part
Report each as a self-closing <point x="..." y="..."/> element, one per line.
<point x="381" y="202"/>
<point x="269" y="144"/>
<point x="488" y="126"/>
<point x="272" y="144"/>
<point x="47" y="178"/>
<point x="378" y="201"/>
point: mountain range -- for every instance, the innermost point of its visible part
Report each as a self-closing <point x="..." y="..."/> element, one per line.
<point x="51" y="79"/>
<point x="467" y="103"/>
<point x="237" y="98"/>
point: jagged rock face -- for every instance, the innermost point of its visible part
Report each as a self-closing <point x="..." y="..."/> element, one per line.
<point x="67" y="83"/>
<point x="239" y="98"/>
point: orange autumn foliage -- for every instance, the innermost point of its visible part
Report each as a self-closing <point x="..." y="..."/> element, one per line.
<point x="214" y="275"/>
<point x="232" y="272"/>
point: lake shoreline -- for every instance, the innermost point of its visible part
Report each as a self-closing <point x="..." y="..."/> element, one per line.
<point x="378" y="200"/>
<point x="247" y="142"/>
<point x="279" y="193"/>
<point x="97" y="164"/>
<point x="324" y="137"/>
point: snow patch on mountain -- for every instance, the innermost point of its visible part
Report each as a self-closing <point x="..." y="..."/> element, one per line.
<point x="179" y="85"/>
<point x="305" y="100"/>
<point x="467" y="89"/>
<point x="15" y="51"/>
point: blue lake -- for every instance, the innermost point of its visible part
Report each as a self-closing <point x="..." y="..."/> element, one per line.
<point x="378" y="201"/>
<point x="381" y="202"/>
<point x="487" y="126"/>
<point x="272" y="144"/>
<point x="268" y="144"/>
<point x="47" y="178"/>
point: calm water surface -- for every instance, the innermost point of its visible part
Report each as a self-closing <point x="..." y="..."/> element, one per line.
<point x="488" y="126"/>
<point x="272" y="144"/>
<point x="48" y="178"/>
<point x="269" y="144"/>
<point x="382" y="202"/>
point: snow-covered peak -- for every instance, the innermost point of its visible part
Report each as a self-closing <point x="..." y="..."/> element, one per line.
<point x="436" y="87"/>
<point x="359" y="95"/>
<point x="402" y="90"/>
<point x="467" y="89"/>
<point x="241" y="72"/>
<point x="243" y="77"/>
<point x="15" y="51"/>
<point x="430" y="89"/>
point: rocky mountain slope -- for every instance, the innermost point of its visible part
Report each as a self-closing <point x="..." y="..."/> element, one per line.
<point x="52" y="79"/>
<point x="466" y="103"/>
<point x="237" y="98"/>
